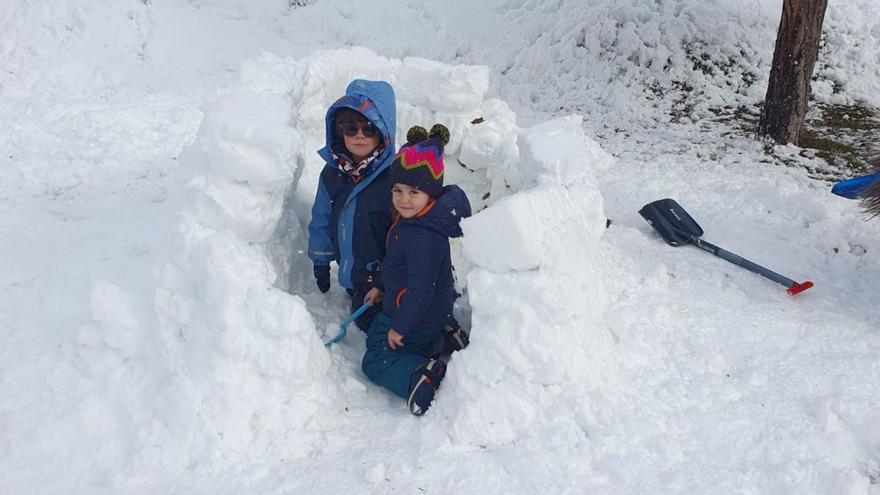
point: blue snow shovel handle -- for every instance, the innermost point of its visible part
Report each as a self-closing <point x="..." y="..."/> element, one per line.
<point x="794" y="288"/>
<point x="343" y="328"/>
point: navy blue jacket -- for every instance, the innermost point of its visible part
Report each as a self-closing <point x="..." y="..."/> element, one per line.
<point x="350" y="221"/>
<point x="417" y="270"/>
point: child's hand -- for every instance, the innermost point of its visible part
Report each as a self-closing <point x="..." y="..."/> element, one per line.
<point x="374" y="296"/>
<point x="395" y="340"/>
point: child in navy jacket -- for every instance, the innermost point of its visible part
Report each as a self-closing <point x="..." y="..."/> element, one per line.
<point x="416" y="312"/>
<point x="352" y="210"/>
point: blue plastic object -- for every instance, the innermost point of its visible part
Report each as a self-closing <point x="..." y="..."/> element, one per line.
<point x="852" y="188"/>
<point x="343" y="328"/>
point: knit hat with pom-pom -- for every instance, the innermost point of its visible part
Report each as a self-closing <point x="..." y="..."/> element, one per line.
<point x="419" y="163"/>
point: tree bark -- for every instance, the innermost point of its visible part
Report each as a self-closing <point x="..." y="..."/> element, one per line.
<point x="797" y="46"/>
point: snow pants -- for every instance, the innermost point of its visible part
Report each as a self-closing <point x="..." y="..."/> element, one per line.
<point x="357" y="300"/>
<point x="393" y="369"/>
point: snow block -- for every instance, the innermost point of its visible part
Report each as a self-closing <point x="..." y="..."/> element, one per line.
<point x="558" y="152"/>
<point x="246" y="137"/>
<point x="518" y="232"/>
<point x="328" y="72"/>
<point x="521" y="350"/>
<point x="246" y="159"/>
<point x="491" y="141"/>
<point x="237" y="206"/>
<point x="441" y="86"/>
<point x="535" y="227"/>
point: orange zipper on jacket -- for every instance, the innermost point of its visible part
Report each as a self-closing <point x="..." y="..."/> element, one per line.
<point x="400" y="296"/>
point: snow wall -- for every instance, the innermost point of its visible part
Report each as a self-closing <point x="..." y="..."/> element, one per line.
<point x="538" y="348"/>
<point x="530" y="257"/>
<point x="235" y="372"/>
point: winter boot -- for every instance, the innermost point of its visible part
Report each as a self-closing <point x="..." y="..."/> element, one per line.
<point x="423" y="384"/>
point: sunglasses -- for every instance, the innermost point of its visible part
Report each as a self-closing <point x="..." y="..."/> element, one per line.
<point x="350" y="129"/>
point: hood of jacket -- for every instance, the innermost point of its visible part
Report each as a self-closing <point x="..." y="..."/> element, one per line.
<point x="445" y="216"/>
<point x="373" y="99"/>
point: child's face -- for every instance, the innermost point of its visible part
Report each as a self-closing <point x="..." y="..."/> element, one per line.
<point x="359" y="144"/>
<point x="408" y="201"/>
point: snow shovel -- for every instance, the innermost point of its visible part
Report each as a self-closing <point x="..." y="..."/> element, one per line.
<point x="343" y="328"/>
<point x="676" y="227"/>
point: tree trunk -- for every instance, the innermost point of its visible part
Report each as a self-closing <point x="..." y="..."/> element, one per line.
<point x="797" y="46"/>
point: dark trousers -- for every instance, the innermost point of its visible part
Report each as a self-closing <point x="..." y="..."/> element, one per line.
<point x="393" y="369"/>
<point x="357" y="300"/>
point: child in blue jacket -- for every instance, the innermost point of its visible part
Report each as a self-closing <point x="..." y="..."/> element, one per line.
<point x="352" y="211"/>
<point x="402" y="342"/>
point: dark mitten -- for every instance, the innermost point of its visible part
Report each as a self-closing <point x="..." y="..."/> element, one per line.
<point x="451" y="339"/>
<point x="455" y="338"/>
<point x="322" y="277"/>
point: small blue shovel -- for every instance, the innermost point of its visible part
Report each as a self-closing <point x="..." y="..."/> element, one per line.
<point x="343" y="328"/>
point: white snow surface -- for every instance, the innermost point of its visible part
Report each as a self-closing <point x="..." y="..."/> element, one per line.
<point x="162" y="332"/>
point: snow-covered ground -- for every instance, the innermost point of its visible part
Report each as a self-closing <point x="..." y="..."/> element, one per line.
<point x="161" y="332"/>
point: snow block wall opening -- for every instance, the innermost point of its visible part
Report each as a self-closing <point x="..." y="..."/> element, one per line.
<point x="240" y="319"/>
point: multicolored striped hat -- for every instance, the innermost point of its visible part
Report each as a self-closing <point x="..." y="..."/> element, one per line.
<point x="419" y="163"/>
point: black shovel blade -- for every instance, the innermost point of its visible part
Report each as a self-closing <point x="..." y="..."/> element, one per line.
<point x="670" y="220"/>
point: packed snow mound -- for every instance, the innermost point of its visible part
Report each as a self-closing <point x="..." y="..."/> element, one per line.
<point x="530" y="229"/>
<point x="538" y="346"/>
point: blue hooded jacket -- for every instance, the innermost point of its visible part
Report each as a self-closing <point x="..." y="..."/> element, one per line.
<point x="417" y="270"/>
<point x="349" y="221"/>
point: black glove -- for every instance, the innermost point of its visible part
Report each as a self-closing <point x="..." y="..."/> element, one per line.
<point x="322" y="277"/>
<point x="455" y="339"/>
<point x="451" y="339"/>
